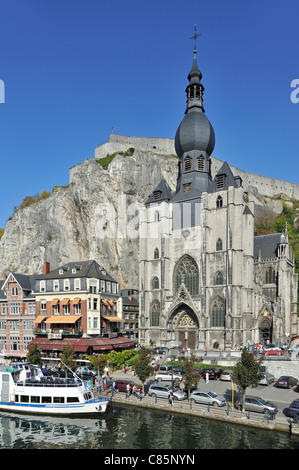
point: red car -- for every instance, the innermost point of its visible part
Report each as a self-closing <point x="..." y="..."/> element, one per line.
<point x="273" y="352"/>
<point x="121" y="386"/>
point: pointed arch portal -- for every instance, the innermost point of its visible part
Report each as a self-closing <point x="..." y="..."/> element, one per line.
<point x="184" y="324"/>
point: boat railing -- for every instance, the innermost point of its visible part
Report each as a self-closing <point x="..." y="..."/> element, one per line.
<point x="49" y="382"/>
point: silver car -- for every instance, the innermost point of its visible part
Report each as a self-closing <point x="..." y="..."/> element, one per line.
<point x="258" y="404"/>
<point x="207" y="398"/>
<point x="266" y="379"/>
<point x="159" y="376"/>
<point x="226" y="375"/>
<point x="161" y="391"/>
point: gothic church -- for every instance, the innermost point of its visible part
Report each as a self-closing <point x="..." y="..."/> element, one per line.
<point x="204" y="277"/>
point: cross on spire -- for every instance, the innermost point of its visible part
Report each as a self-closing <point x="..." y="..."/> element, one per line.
<point x="195" y="36"/>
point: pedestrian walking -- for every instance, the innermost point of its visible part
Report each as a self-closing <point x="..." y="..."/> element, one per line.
<point x="128" y="390"/>
<point x="170" y="398"/>
<point x="207" y="377"/>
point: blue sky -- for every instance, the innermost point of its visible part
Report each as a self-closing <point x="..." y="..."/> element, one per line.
<point x="73" y="69"/>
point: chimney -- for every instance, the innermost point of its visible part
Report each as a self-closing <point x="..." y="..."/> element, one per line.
<point x="46" y="267"/>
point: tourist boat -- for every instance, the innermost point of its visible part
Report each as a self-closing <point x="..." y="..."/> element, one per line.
<point x="31" y="392"/>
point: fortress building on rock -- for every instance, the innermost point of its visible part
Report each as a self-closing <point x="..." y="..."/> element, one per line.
<point x="204" y="277"/>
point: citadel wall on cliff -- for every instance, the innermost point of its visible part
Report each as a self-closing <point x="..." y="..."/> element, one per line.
<point x="264" y="185"/>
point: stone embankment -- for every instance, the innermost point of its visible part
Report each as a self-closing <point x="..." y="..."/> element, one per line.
<point x="227" y="413"/>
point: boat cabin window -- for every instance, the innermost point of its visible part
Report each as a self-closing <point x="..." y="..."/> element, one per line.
<point x="24" y="399"/>
<point x="72" y="399"/>
<point x="58" y="399"/>
<point x="46" y="399"/>
<point x="35" y="399"/>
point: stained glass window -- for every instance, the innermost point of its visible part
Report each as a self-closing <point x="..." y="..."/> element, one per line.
<point x="155" y="315"/>
<point x="218" y="312"/>
<point x="155" y="283"/>
<point x="270" y="277"/>
<point x="219" y="245"/>
<point x="186" y="272"/>
<point x="156" y="253"/>
<point x="219" y="279"/>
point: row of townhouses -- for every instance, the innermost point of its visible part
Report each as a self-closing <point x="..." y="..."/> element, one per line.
<point x="78" y="303"/>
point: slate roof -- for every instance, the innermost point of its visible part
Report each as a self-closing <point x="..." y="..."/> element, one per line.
<point x="83" y="269"/>
<point x="26" y="282"/>
<point x="230" y="179"/>
<point x="165" y="190"/>
<point x="266" y="246"/>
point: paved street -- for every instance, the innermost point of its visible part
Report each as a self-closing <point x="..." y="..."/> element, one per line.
<point x="281" y="397"/>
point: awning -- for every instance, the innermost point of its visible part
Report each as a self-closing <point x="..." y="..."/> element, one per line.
<point x="113" y="319"/>
<point x="65" y="301"/>
<point x="76" y="301"/>
<point x="39" y="319"/>
<point x="62" y="319"/>
<point x="110" y="302"/>
<point x="105" y="302"/>
<point x="55" y="302"/>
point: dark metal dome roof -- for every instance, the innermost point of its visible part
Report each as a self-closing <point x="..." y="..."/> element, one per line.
<point x="195" y="133"/>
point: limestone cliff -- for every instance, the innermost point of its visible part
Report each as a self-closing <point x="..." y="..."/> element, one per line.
<point x="87" y="219"/>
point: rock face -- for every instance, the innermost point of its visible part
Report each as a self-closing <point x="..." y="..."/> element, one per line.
<point x="88" y="219"/>
<point x="95" y="217"/>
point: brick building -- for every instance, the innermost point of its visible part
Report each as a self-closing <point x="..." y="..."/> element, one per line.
<point x="18" y="311"/>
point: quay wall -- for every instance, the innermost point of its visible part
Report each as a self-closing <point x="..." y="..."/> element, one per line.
<point x="234" y="417"/>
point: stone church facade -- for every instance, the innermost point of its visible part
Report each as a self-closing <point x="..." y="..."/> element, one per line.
<point x="204" y="277"/>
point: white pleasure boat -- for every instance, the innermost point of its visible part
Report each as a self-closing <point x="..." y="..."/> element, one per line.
<point x="33" y="393"/>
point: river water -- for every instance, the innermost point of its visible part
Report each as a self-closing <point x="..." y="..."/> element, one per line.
<point x="124" y="427"/>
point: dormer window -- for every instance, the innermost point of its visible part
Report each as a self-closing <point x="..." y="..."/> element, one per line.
<point x="220" y="179"/>
<point x="42" y="286"/>
<point x="157" y="195"/>
<point x="63" y="269"/>
<point x="201" y="163"/>
<point x="188" y="163"/>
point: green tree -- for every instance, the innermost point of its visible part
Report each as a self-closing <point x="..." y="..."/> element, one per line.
<point x="191" y="377"/>
<point x="33" y="355"/>
<point x="142" y="365"/>
<point x="246" y="373"/>
<point x="68" y="354"/>
<point x="98" y="363"/>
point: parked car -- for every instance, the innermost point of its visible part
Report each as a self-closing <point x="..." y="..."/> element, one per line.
<point x="226" y="375"/>
<point x="214" y="373"/>
<point x="161" y="391"/>
<point x="199" y="370"/>
<point x="294" y="408"/>
<point x="257" y="404"/>
<point x="159" y="376"/>
<point x="84" y="371"/>
<point x="266" y="379"/>
<point x="286" y="381"/>
<point x="166" y="369"/>
<point x="121" y="385"/>
<point x="273" y="352"/>
<point x="207" y="398"/>
<point x="160" y="351"/>
<point x="271" y="346"/>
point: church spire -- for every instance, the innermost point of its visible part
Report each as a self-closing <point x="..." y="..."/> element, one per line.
<point x="195" y="89"/>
